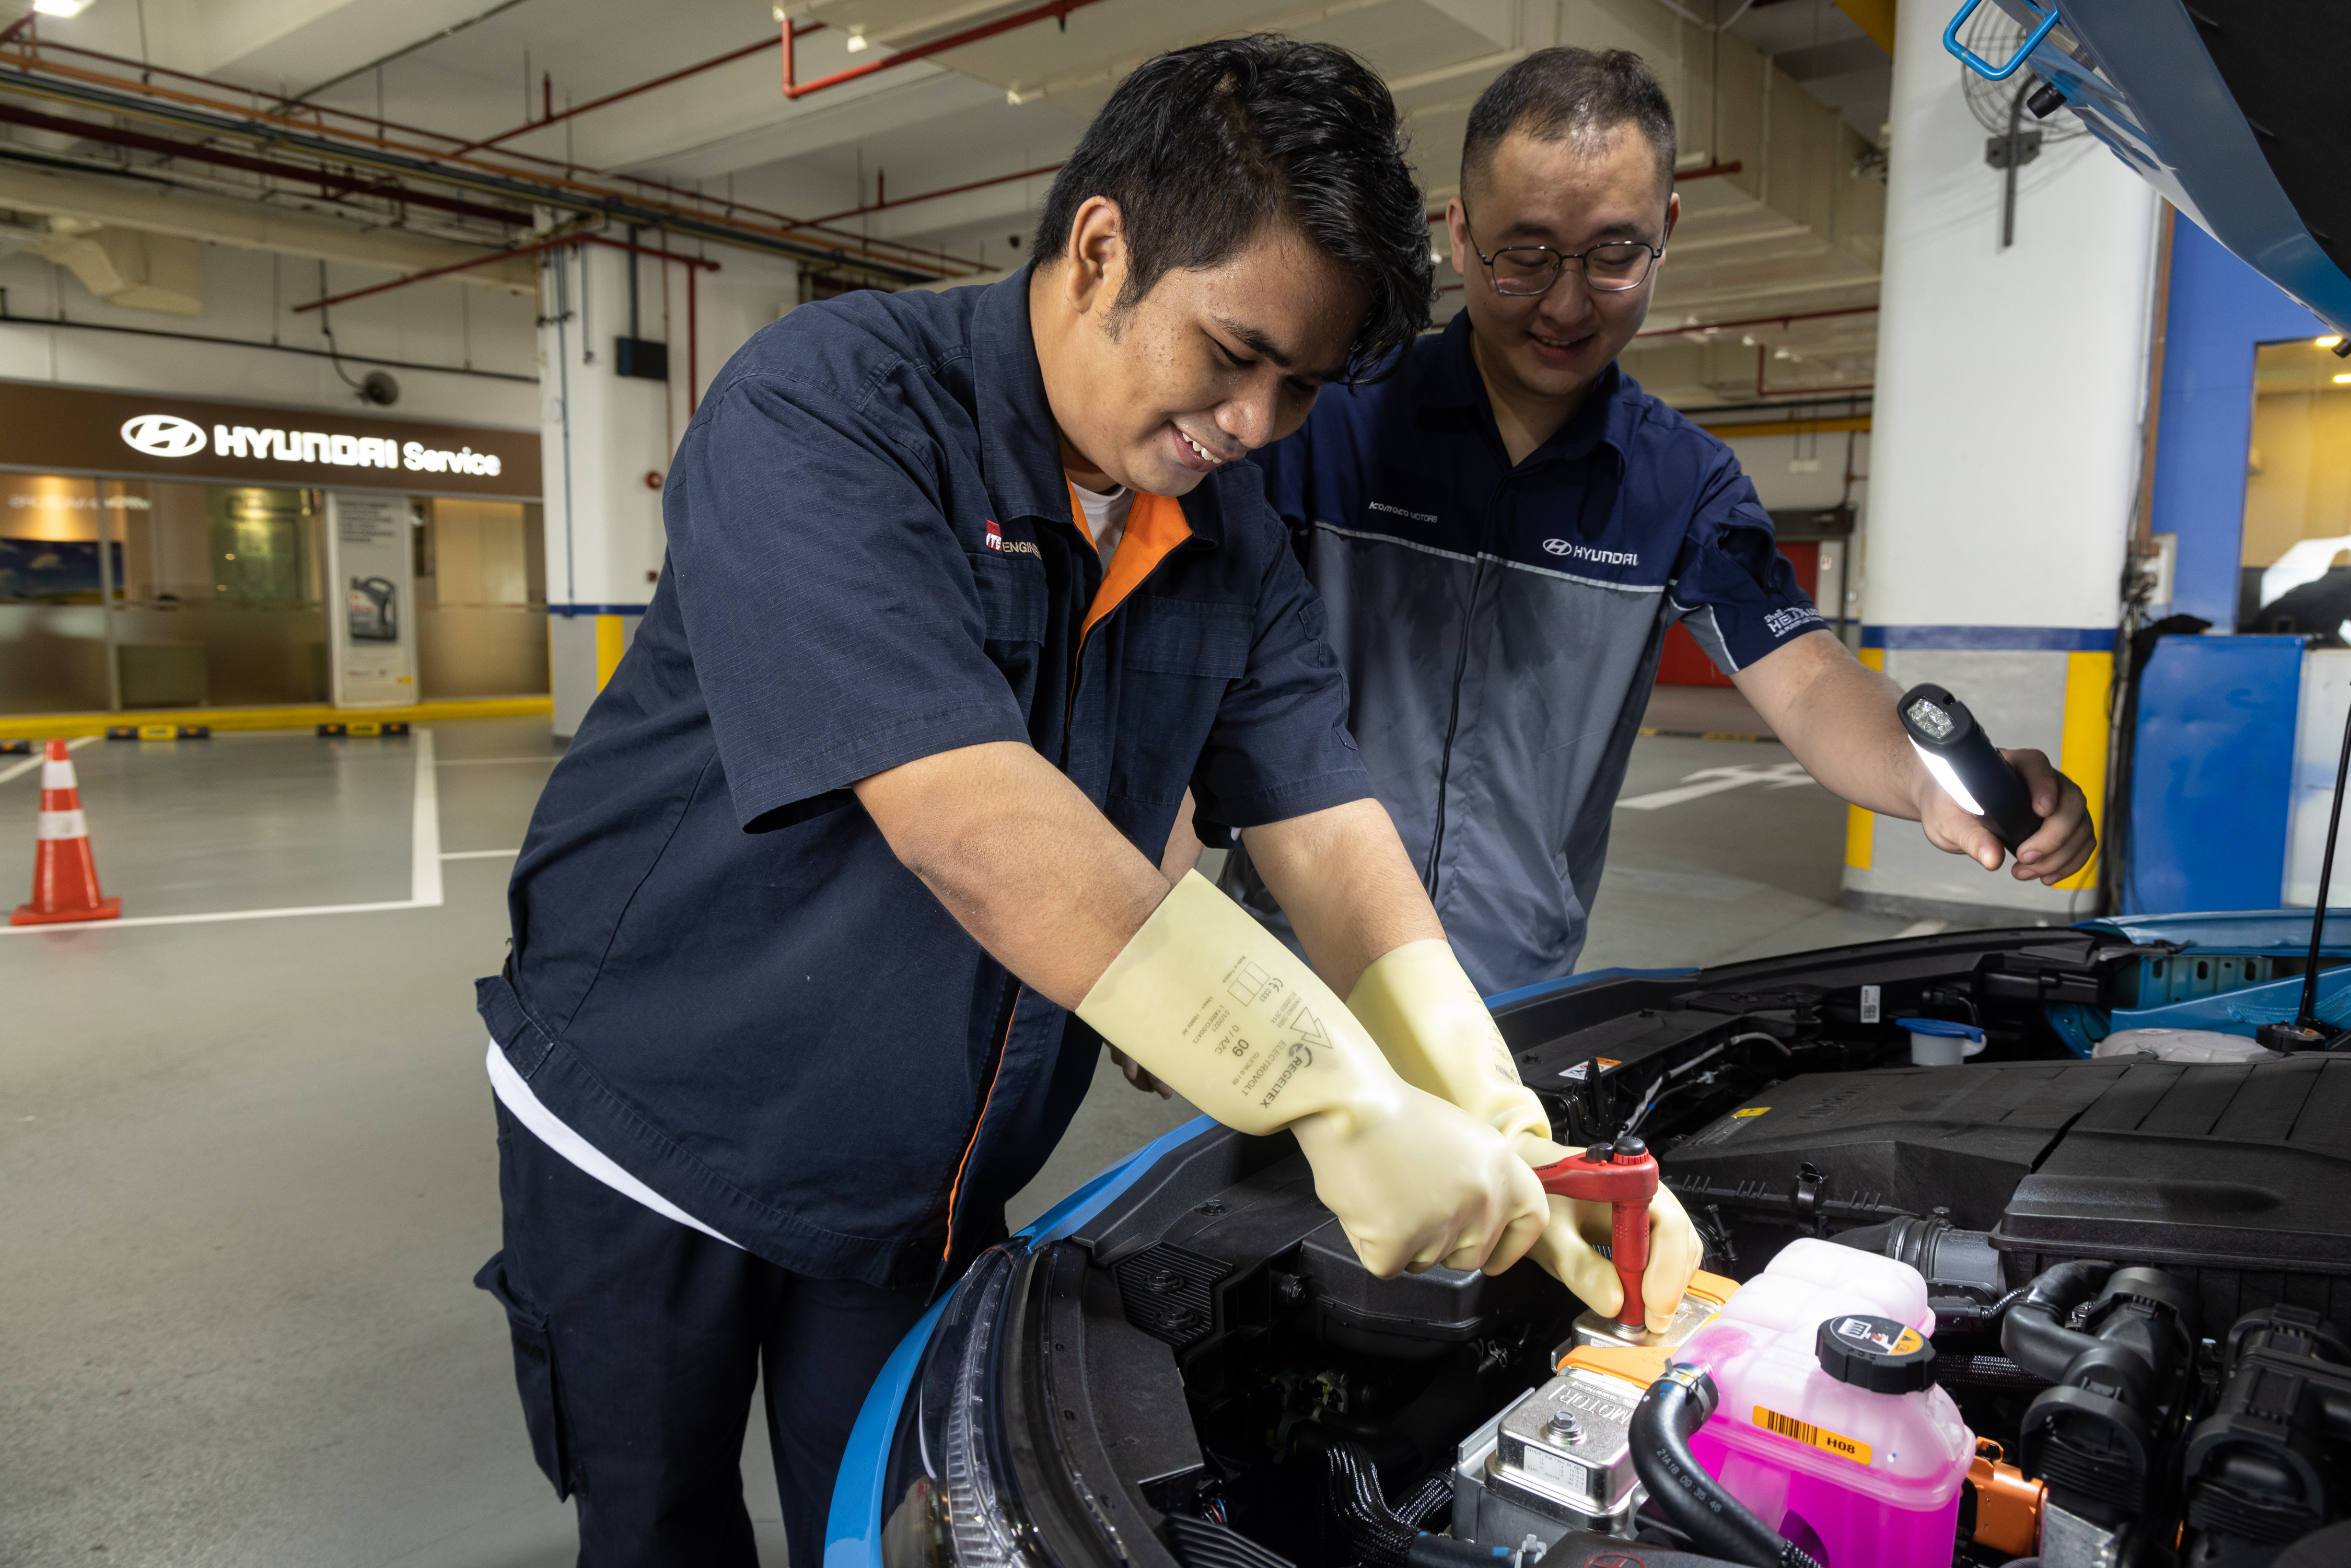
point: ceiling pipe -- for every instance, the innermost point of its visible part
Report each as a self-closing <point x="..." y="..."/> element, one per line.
<point x="693" y="263"/>
<point x="934" y="195"/>
<point x="796" y="90"/>
<point x="369" y="132"/>
<point x="713" y="63"/>
<point x="1782" y="318"/>
<point x="204" y="116"/>
<point x="332" y="186"/>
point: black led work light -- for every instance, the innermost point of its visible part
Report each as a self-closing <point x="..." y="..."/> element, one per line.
<point x="1964" y="762"/>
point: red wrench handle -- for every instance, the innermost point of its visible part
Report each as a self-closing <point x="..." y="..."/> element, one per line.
<point x="1625" y="1180"/>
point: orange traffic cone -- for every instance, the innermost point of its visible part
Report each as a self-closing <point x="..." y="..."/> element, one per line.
<point x="65" y="877"/>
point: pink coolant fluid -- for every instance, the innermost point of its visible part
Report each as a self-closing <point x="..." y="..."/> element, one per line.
<point x="1829" y="1429"/>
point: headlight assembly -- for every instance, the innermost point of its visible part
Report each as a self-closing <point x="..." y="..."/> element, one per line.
<point x="956" y="1504"/>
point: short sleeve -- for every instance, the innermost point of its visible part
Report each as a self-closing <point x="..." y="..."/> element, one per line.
<point x="834" y="622"/>
<point x="1280" y="745"/>
<point x="1732" y="588"/>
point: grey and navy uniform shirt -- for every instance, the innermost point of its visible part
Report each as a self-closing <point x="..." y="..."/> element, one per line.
<point x="723" y="983"/>
<point x="1500" y="626"/>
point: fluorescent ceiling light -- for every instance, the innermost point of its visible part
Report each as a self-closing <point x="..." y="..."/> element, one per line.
<point x="60" y="8"/>
<point x="856" y="43"/>
<point x="2343" y="380"/>
<point x="2326" y="342"/>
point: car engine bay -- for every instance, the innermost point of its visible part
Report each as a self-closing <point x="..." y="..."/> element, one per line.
<point x="2096" y="1308"/>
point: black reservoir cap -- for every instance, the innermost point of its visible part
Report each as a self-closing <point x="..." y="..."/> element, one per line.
<point x="1876" y="1353"/>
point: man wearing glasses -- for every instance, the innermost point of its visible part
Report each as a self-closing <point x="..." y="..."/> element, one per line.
<point x="1503" y="531"/>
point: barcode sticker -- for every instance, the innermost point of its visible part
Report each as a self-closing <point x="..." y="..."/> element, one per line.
<point x="1820" y="1438"/>
<point x="1869" y="1004"/>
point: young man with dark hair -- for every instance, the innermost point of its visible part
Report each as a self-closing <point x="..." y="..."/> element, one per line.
<point x="965" y="592"/>
<point x="1504" y="527"/>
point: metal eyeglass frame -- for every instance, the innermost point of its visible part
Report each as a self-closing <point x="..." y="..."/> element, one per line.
<point x="1559" y="260"/>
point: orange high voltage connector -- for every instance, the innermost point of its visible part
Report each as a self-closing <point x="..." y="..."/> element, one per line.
<point x="65" y="877"/>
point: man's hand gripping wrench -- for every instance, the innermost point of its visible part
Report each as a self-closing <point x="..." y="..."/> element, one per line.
<point x="1624" y="1175"/>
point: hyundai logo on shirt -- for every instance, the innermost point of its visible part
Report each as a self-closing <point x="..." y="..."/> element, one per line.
<point x="1585" y="552"/>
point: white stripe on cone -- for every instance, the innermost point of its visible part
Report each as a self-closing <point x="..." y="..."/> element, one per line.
<point x="58" y="775"/>
<point x="61" y="825"/>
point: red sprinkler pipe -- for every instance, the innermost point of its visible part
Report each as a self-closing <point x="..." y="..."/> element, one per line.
<point x="933" y="195"/>
<point x="692" y="263"/>
<point x="548" y="117"/>
<point x="1058" y="9"/>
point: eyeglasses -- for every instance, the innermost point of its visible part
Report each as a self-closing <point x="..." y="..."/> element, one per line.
<point x="1523" y="270"/>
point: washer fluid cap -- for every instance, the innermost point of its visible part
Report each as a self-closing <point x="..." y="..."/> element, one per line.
<point x="1880" y="1355"/>
<point x="1943" y="1027"/>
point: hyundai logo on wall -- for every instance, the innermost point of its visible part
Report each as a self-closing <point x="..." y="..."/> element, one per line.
<point x="164" y="435"/>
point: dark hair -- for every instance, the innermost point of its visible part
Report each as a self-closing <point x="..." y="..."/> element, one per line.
<point x="1201" y="147"/>
<point x="1557" y="95"/>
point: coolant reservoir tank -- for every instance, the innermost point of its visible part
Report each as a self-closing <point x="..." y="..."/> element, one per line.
<point x="1830" y="1428"/>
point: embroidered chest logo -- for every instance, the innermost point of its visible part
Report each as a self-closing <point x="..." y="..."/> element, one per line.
<point x="1585" y="552"/>
<point x="995" y="541"/>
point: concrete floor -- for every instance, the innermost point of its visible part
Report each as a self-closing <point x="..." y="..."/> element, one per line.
<point x="248" y="1155"/>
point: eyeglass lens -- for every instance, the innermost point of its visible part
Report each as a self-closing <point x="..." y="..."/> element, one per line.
<point x="1606" y="268"/>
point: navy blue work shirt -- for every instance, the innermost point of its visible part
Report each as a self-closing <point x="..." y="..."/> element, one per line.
<point x="1500" y="626"/>
<point x="722" y="978"/>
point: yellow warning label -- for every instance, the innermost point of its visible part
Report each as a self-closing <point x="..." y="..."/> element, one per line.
<point x="1753" y="1111"/>
<point x="159" y="732"/>
<point x="1820" y="1438"/>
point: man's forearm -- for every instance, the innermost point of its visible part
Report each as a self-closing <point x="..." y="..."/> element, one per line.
<point x="1343" y="879"/>
<point x="1020" y="858"/>
<point x="1836" y="716"/>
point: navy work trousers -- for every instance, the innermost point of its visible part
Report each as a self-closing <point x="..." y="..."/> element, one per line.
<point x="637" y="1342"/>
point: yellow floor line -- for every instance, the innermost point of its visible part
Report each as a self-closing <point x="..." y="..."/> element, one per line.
<point x="42" y="726"/>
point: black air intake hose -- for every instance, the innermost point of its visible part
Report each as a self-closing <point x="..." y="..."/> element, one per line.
<point x="1676" y="1405"/>
<point x="2034" y="1332"/>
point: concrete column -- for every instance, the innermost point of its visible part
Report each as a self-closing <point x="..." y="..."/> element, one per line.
<point x="2011" y="385"/>
<point x="608" y="438"/>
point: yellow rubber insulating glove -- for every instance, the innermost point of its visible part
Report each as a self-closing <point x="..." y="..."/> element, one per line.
<point x="1426" y="1015"/>
<point x="1214" y="1006"/>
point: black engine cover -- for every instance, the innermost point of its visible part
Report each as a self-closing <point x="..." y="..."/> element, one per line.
<point x="1894" y="1141"/>
<point x="2230" y="1177"/>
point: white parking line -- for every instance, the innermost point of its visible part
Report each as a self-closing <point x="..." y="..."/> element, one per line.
<point x="478" y="855"/>
<point x="1786" y="775"/>
<point x="424" y="871"/>
<point x="425" y="828"/>
<point x="1923" y="928"/>
<point x="21" y="768"/>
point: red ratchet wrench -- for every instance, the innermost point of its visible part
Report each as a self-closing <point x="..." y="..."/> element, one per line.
<point x="1623" y="1174"/>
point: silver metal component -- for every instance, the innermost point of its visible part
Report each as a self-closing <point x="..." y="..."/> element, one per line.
<point x="2069" y="1541"/>
<point x="1578" y="1480"/>
<point x="1592" y="1329"/>
<point x="1498" y="1503"/>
